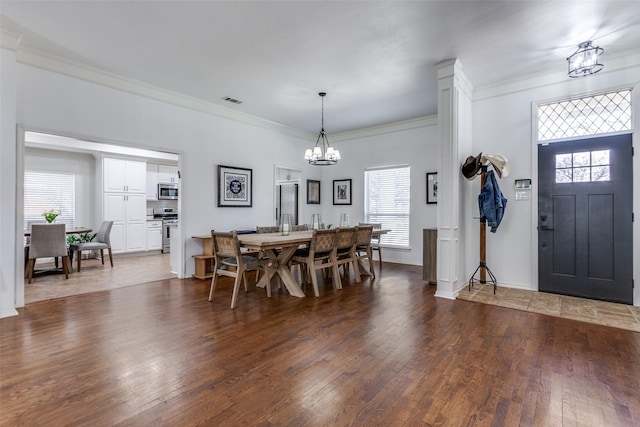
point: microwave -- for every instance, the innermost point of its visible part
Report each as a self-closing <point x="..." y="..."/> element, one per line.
<point x="167" y="191"/>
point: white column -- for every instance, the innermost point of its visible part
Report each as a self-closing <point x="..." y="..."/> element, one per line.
<point x="454" y="125"/>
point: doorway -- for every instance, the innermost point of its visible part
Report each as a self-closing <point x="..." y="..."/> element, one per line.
<point x="287" y="183"/>
<point x="585" y="236"/>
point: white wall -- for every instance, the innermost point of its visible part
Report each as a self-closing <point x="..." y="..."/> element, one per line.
<point x="83" y="166"/>
<point x="8" y="158"/>
<point x="414" y="146"/>
<point x="502" y="123"/>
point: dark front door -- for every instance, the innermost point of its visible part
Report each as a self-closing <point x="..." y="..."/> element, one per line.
<point x="585" y="218"/>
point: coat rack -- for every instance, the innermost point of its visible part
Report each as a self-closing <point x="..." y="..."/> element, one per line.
<point x="482" y="267"/>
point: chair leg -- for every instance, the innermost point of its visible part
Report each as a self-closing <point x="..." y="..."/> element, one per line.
<point x="110" y="256"/>
<point x="214" y="282"/>
<point x="79" y="260"/>
<point x="337" y="283"/>
<point x="380" y="257"/>
<point x="30" y="266"/>
<point x="102" y="256"/>
<point x="65" y="266"/>
<point x="314" y="281"/>
<point x="236" y="289"/>
<point x="372" y="269"/>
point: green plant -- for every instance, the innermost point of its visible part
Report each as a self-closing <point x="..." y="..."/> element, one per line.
<point x="80" y="238"/>
<point x="50" y="215"/>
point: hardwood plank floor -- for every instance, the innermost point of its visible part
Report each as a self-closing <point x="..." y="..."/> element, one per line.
<point x="386" y="353"/>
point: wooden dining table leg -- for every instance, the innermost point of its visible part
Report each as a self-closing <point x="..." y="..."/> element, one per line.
<point x="281" y="268"/>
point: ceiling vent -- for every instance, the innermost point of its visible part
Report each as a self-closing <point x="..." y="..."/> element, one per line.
<point x="229" y="99"/>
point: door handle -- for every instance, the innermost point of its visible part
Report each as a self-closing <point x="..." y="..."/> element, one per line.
<point x="545" y="228"/>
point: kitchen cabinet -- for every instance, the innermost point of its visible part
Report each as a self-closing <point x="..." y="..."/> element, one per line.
<point x="129" y="215"/>
<point x="154" y="235"/>
<point x="167" y="173"/>
<point x="120" y="175"/>
<point x="152" y="181"/>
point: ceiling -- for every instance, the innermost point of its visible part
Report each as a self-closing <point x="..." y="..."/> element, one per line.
<point x="375" y="59"/>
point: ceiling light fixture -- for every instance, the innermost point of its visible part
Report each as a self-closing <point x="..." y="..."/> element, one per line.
<point x="585" y="60"/>
<point x="322" y="154"/>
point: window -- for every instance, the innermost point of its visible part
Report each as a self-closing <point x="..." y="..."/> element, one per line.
<point x="386" y="200"/>
<point x="44" y="191"/>
<point x="592" y="115"/>
<point x="587" y="166"/>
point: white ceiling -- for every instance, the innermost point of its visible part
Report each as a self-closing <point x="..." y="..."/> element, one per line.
<point x="375" y="59"/>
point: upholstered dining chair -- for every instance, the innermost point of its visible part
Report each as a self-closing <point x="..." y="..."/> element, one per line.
<point x="101" y="242"/>
<point x="320" y="254"/>
<point x="47" y="241"/>
<point x="375" y="240"/>
<point x="231" y="262"/>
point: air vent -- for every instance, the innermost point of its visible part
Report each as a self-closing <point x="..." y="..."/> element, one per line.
<point x="229" y="99"/>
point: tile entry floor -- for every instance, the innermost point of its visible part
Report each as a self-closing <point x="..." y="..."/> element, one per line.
<point x="592" y="311"/>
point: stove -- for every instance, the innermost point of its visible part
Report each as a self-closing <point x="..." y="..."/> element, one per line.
<point x="169" y="217"/>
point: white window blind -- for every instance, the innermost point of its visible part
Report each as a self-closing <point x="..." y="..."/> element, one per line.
<point x="387" y="201"/>
<point x="44" y="191"/>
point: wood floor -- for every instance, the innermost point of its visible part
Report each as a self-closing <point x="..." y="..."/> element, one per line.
<point x="386" y="353"/>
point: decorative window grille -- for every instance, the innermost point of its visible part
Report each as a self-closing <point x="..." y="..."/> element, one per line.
<point x="44" y="191"/>
<point x="592" y="115"/>
<point x="387" y="201"/>
<point x="587" y="166"/>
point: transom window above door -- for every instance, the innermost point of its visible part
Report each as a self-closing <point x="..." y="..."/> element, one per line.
<point x="586" y="166"/>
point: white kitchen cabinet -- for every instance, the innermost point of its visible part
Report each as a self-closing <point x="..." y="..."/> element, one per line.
<point x="128" y="213"/>
<point x="167" y="173"/>
<point x="152" y="181"/>
<point x="154" y="235"/>
<point x="120" y="175"/>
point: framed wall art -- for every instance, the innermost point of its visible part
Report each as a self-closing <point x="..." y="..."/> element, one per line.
<point x="432" y="187"/>
<point x="235" y="187"/>
<point x="341" y="191"/>
<point x="313" y="192"/>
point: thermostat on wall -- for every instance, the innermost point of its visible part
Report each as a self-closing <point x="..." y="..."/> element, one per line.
<point x="523" y="184"/>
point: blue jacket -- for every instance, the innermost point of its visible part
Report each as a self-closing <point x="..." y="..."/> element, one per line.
<point x="491" y="202"/>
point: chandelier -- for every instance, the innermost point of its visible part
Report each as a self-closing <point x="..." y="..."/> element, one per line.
<point x="585" y="60"/>
<point x="322" y="154"/>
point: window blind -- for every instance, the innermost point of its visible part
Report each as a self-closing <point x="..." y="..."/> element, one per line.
<point x="44" y="191"/>
<point x="387" y="201"/>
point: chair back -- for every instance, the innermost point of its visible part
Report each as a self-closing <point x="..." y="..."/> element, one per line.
<point x="323" y="240"/>
<point x="48" y="240"/>
<point x="267" y="229"/>
<point x="300" y="227"/>
<point x="376" y="226"/>
<point x="345" y="238"/>
<point x="104" y="232"/>
<point x="225" y="245"/>
<point x="363" y="234"/>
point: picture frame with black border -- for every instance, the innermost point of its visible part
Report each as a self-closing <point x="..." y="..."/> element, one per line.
<point x="432" y="188"/>
<point x="313" y="192"/>
<point x="235" y="187"/>
<point x="342" y="191"/>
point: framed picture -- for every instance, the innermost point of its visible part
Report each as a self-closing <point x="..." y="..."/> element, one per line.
<point x="235" y="187"/>
<point x="313" y="192"/>
<point x="341" y="191"/>
<point x="432" y="187"/>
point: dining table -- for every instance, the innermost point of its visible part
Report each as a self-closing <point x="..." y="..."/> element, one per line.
<point x="279" y="249"/>
<point x="68" y="230"/>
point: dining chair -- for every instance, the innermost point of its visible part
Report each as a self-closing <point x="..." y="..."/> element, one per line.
<point x="101" y="242"/>
<point x="375" y="240"/>
<point x="47" y="241"/>
<point x="346" y="250"/>
<point x="320" y="254"/>
<point x="267" y="229"/>
<point x="363" y="247"/>
<point x="231" y="262"/>
<point x="300" y="227"/>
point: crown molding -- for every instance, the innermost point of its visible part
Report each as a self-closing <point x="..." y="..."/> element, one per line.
<point x="9" y="40"/>
<point x="43" y="60"/>
<point x="402" y="125"/>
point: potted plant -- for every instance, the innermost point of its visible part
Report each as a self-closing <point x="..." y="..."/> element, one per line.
<point x="51" y="215"/>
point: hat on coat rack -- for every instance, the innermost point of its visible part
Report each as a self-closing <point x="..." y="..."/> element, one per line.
<point x="471" y="166"/>
<point x="499" y="162"/>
